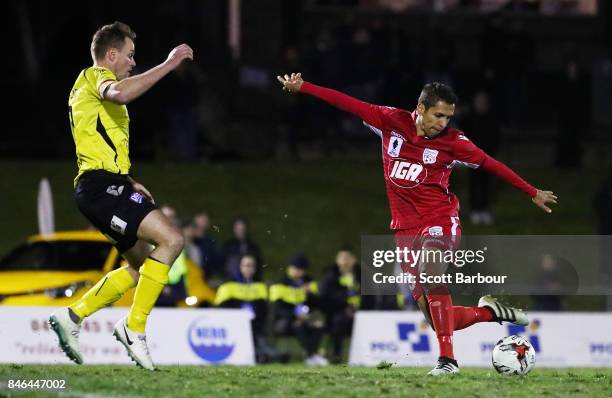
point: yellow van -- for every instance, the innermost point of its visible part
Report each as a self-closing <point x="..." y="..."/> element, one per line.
<point x="55" y="269"/>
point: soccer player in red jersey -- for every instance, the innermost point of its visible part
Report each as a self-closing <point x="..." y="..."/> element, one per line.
<point x="419" y="153"/>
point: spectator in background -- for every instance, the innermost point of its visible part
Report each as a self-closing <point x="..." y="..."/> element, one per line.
<point x="207" y="246"/>
<point x="439" y="55"/>
<point x="237" y="246"/>
<point x="290" y="111"/>
<point x="603" y="206"/>
<point x="170" y="212"/>
<point x="481" y="121"/>
<point x="250" y="294"/>
<point x="339" y="298"/>
<point x="364" y="79"/>
<point x="186" y="281"/>
<point x="601" y="88"/>
<point x="293" y="298"/>
<point x="555" y="279"/>
<point x="324" y="61"/>
<point x="175" y="292"/>
<point x="571" y="129"/>
<point x="382" y="302"/>
<point x="191" y="249"/>
<point x="549" y="286"/>
<point x="180" y="107"/>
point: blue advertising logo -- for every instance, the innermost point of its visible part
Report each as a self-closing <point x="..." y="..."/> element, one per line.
<point x="418" y="338"/>
<point x="384" y="346"/>
<point x="209" y="341"/>
<point x="601" y="348"/>
<point x="532" y="333"/>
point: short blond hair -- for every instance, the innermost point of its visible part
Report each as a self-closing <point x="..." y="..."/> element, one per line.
<point x="110" y="36"/>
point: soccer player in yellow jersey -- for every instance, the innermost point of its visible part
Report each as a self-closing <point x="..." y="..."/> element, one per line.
<point x="108" y="196"/>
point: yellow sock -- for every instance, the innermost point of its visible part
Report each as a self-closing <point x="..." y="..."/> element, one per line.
<point x="108" y="290"/>
<point x="153" y="278"/>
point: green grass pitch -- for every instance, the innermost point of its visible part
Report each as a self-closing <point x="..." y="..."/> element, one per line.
<point x="299" y="381"/>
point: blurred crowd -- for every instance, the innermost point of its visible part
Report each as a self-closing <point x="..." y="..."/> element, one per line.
<point x="525" y="76"/>
<point x="230" y="274"/>
<point x="511" y="94"/>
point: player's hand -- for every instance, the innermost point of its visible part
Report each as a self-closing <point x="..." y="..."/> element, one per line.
<point x="138" y="187"/>
<point x="544" y="197"/>
<point x="178" y="55"/>
<point x="291" y="83"/>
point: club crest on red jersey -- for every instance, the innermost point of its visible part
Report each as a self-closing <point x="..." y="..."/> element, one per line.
<point x="395" y="146"/>
<point x="406" y="174"/>
<point x="436" y="231"/>
<point x="430" y="156"/>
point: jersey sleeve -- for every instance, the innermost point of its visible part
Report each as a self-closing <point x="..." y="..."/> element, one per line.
<point x="372" y="115"/>
<point x="466" y="153"/>
<point x="101" y="78"/>
<point x="506" y="174"/>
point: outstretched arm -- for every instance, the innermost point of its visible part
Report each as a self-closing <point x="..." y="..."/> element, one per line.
<point x="369" y="113"/>
<point x="469" y="154"/>
<point x="539" y="197"/>
<point x="128" y="89"/>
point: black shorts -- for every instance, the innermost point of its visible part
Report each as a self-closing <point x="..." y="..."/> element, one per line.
<point x="110" y="203"/>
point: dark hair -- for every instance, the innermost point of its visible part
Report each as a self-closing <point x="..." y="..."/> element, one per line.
<point x="110" y="36"/>
<point x="299" y="261"/>
<point x="434" y="92"/>
<point x="346" y="248"/>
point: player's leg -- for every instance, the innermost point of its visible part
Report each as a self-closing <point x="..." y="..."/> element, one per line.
<point x="158" y="230"/>
<point x="101" y="197"/>
<point x="66" y="322"/>
<point x="501" y="312"/>
<point x="435" y="240"/>
<point x="440" y="303"/>
<point x="136" y="256"/>
<point x="112" y="287"/>
<point x="468" y="316"/>
<point x="409" y="240"/>
<point x="424" y="307"/>
<point x="489" y="309"/>
<point x="442" y="318"/>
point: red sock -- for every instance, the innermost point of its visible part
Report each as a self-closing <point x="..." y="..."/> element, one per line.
<point x="441" y="309"/>
<point x="467" y="316"/>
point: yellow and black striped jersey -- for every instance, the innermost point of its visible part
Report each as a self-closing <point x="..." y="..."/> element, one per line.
<point x="100" y="128"/>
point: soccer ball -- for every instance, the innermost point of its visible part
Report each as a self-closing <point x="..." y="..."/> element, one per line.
<point x="513" y="355"/>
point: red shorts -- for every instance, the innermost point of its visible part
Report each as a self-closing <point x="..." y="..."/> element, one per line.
<point x="441" y="234"/>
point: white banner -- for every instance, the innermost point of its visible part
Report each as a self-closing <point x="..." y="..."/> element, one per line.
<point x="565" y="339"/>
<point x="174" y="336"/>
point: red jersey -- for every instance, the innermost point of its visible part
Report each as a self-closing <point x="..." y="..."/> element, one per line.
<point x="417" y="168"/>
